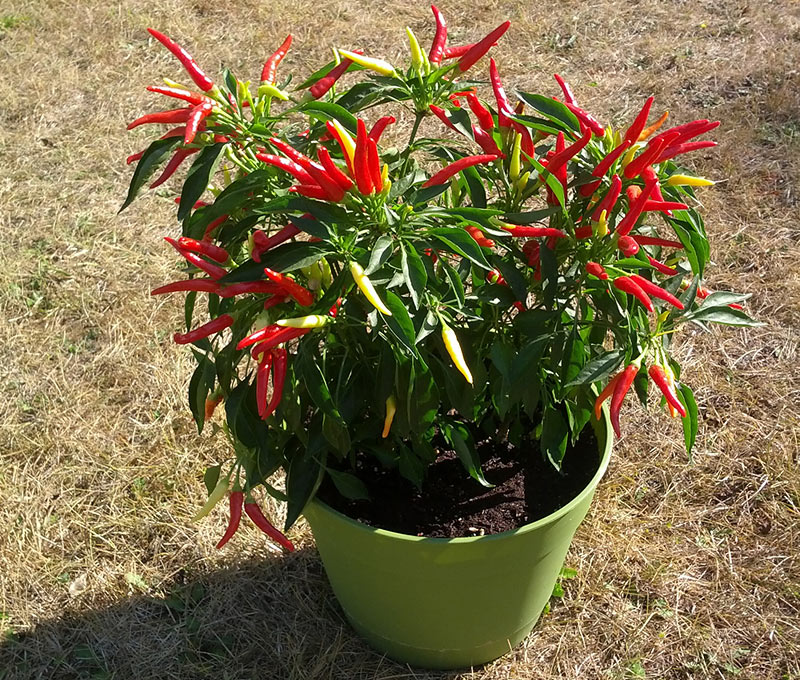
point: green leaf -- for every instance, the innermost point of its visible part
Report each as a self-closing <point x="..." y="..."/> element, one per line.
<point x="723" y="315"/>
<point x="598" y="368"/>
<point x="331" y="111"/>
<point x="400" y="322"/>
<point x="241" y="413"/>
<point x="461" y="440"/>
<point x="302" y="479"/>
<point x="310" y="371"/>
<point x="552" y="110"/>
<point x="551" y="180"/>
<point x="197" y="179"/>
<point x="337" y="434"/>
<point x="381" y="252"/>
<point x="456" y="284"/>
<point x="690" y="425"/>
<point x="529" y="217"/>
<point x="211" y="477"/>
<point x="322" y="72"/>
<point x="554" y="435"/>
<point x="459" y="242"/>
<point x="198" y="392"/>
<point x="477" y="192"/>
<point x="414" y="273"/>
<point x="285" y="258"/>
<point x="348" y="485"/>
<point x="146" y="166"/>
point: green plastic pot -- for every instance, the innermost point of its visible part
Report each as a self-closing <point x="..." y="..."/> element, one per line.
<point x="448" y="603"/>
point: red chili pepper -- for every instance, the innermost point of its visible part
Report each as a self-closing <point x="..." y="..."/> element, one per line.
<point x="494" y="276"/>
<point x="442" y="116"/>
<point x="199" y="285"/>
<point x="439" y="38"/>
<point x="479" y="236"/>
<point x="325" y="83"/>
<point x="214" y="326"/>
<point x="646" y="158"/>
<point x="621" y="388"/>
<point x="481" y="47"/>
<point x="211" y="405"/>
<point x="635" y="210"/>
<point x="677" y="149"/>
<point x="134" y="157"/>
<point x="262" y="243"/>
<point x="661" y="267"/>
<point x="663" y="206"/>
<point x="302" y="296"/>
<point x="457" y="51"/>
<point x="214" y="271"/>
<point x="628" y="246"/>
<point x="656" y="291"/>
<point x="602" y="168"/>
<point x="566" y="89"/>
<point x="195" y="72"/>
<point x="605" y="394"/>
<point x="275" y="300"/>
<point x="609" y="200"/>
<point x="597" y="270"/>
<point x="177" y="93"/>
<point x="632" y="135"/>
<point x="689" y="130"/>
<point x="587" y="119"/>
<point x="561" y="158"/>
<point x="171" y="116"/>
<point x="361" y="170"/>
<point x="197" y="115"/>
<point x="204" y="248"/>
<point x="332" y="169"/>
<point x="484" y="116"/>
<point x="484" y="140"/>
<point x="293" y="168"/>
<point x="255" y="514"/>
<point x="213" y="225"/>
<point x="279" y="360"/>
<point x="172" y="165"/>
<point x="271" y="65"/>
<point x="660" y="379"/>
<point x="532" y="232"/>
<point x="380" y="125"/>
<point x="310" y="191"/>
<point x="258" y="287"/>
<point x="585" y="231"/>
<point x="300" y="158"/>
<point x="627" y="285"/>
<point x="262" y="383"/>
<point x="174" y="132"/>
<point x="374" y="165"/>
<point x="653" y="241"/>
<point x="333" y="191"/>
<point x="457" y="166"/>
<point x="236" y="499"/>
<point x="260" y="336"/>
<point x="504" y="108"/>
<point x="197" y="204"/>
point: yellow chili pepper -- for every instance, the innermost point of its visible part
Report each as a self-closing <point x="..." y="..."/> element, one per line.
<point x="310" y="321"/>
<point x="363" y="282"/>
<point x="380" y="66"/>
<point x="347" y="141"/>
<point x="272" y="91"/>
<point x="522" y="182"/>
<point x="600" y="228"/>
<point x="391" y="409"/>
<point x="418" y="58"/>
<point x="628" y="157"/>
<point x="514" y="163"/>
<point x="213" y="498"/>
<point x="384" y="173"/>
<point x="454" y="350"/>
<point x="688" y="181"/>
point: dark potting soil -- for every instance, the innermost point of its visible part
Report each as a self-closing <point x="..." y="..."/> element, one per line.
<point x="451" y="504"/>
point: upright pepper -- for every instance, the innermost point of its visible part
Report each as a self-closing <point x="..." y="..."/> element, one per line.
<point x="325" y="83"/>
<point x="195" y="72"/>
<point x="380" y="66"/>
<point x="418" y="58"/>
<point x="302" y="295"/>
<point x="270" y="69"/>
<point x="457" y="166"/>
<point x="439" y="38"/>
<point x="196" y="116"/>
<point x="481" y="47"/>
<point x="171" y="116"/>
<point x="633" y="132"/>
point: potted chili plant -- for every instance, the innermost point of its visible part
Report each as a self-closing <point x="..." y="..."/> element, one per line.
<point x="478" y="291"/>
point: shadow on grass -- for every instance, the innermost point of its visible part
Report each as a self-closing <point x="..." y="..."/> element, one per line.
<point x="271" y="619"/>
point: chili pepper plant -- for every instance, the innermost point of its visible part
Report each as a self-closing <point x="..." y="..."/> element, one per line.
<point x="346" y="296"/>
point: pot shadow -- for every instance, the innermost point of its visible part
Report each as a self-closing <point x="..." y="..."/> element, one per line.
<point x="272" y="619"/>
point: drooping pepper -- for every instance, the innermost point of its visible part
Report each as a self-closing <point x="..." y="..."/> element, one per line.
<point x="661" y="267"/>
<point x="621" y="388"/>
<point x="520" y="231"/>
<point x="391" y="409"/>
<point x="454" y="350"/>
<point x="178" y="93"/>
<point x="656" y="291"/>
<point x="654" y="241"/>
<point x="310" y="321"/>
<point x="253" y="511"/>
<point x="366" y="287"/>
<point x="199" y="285"/>
<point x="172" y="165"/>
<point x="236" y="500"/>
<point x="279" y="362"/>
<point x="171" y="116"/>
<point x="290" y="166"/>
<point x="596" y="269"/>
<point x="660" y="378"/>
<point x="627" y="285"/>
<point x="216" y="495"/>
<point x="213" y="270"/>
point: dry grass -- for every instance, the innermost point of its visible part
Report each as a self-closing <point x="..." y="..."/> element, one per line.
<point x="684" y="571"/>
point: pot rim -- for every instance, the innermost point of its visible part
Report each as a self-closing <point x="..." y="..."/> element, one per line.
<point x="602" y="430"/>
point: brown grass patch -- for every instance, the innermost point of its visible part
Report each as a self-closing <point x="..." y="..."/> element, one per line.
<point x="684" y="571"/>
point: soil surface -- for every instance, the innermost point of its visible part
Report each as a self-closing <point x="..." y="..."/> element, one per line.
<point x="451" y="504"/>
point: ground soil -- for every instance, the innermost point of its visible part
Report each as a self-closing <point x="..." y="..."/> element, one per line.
<point x="451" y="504"/>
